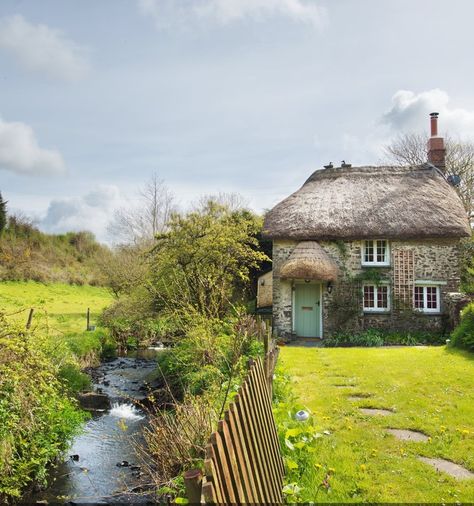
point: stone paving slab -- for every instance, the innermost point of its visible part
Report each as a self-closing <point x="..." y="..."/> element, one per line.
<point x="376" y="411"/>
<point x="408" y="435"/>
<point x="448" y="467"/>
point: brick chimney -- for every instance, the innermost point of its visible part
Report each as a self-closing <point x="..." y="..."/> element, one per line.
<point x="436" y="149"/>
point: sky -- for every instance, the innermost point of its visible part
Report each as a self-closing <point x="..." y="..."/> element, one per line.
<point x="235" y="96"/>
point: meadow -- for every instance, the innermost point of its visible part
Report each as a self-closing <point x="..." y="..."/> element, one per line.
<point x="59" y="313"/>
<point x="355" y="458"/>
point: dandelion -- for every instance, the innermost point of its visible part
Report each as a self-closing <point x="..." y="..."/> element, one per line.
<point x="465" y="432"/>
<point x="429" y="440"/>
<point x="349" y="427"/>
<point x="331" y="470"/>
<point x="318" y="466"/>
<point x="363" y="467"/>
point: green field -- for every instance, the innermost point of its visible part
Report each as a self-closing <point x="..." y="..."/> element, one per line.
<point x="429" y="389"/>
<point x="59" y="314"/>
<point x="63" y="307"/>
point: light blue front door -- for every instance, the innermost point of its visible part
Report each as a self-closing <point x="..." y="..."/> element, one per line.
<point x="307" y="310"/>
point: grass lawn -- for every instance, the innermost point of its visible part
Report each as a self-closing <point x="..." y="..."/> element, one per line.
<point x="429" y="389"/>
<point x="60" y="312"/>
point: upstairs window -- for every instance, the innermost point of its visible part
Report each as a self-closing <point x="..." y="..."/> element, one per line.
<point x="427" y="299"/>
<point x="376" y="298"/>
<point x="375" y="252"/>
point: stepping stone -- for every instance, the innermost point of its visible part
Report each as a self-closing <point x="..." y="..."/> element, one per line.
<point x="358" y="397"/>
<point x="448" y="467"/>
<point x="408" y="435"/>
<point x="376" y="411"/>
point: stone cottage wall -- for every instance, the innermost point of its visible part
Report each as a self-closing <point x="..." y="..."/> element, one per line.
<point x="435" y="260"/>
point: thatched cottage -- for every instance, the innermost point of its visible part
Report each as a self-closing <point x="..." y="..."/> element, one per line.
<point x="367" y="247"/>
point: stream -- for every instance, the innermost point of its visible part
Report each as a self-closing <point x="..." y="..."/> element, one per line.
<point x="101" y="466"/>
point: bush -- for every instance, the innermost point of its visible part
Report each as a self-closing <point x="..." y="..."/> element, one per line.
<point x="210" y="353"/>
<point x="374" y="338"/>
<point x="37" y="418"/>
<point x="463" y="335"/>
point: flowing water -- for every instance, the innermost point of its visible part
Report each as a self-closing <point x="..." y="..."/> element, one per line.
<point x="102" y="466"/>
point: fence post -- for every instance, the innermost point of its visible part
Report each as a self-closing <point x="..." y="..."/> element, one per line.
<point x="88" y="318"/>
<point x="193" y="485"/>
<point x="30" y="318"/>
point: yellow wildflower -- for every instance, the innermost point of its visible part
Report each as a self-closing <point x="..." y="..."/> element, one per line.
<point x="363" y="467"/>
<point x="331" y="470"/>
<point x="319" y="466"/>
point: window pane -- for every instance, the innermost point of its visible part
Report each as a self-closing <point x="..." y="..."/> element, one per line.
<point x="369" y="300"/>
<point x="382" y="297"/>
<point x="369" y="251"/>
<point x="431" y="297"/>
<point x="418" y="297"/>
<point x="381" y="248"/>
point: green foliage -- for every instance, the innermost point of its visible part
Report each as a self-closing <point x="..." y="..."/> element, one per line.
<point x="29" y="254"/>
<point x="463" y="335"/>
<point x="3" y="214"/>
<point x="36" y="416"/>
<point x="202" y="263"/>
<point x="466" y="248"/>
<point x="211" y="354"/>
<point x="299" y="440"/>
<point x="376" y="337"/>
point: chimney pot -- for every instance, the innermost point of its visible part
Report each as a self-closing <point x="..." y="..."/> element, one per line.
<point x="436" y="148"/>
<point x="434" y="124"/>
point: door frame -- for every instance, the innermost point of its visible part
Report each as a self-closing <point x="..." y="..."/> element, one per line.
<point x="293" y="303"/>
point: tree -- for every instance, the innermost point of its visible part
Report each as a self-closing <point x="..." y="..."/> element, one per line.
<point x="410" y="149"/>
<point x="3" y="214"/>
<point x="204" y="258"/>
<point x="138" y="224"/>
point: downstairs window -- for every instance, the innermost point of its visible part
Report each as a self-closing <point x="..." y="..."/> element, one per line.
<point x="376" y="298"/>
<point x="426" y="298"/>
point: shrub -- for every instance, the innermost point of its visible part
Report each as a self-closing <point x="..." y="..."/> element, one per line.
<point x="463" y="335"/>
<point x="37" y="418"/>
<point x="374" y="337"/>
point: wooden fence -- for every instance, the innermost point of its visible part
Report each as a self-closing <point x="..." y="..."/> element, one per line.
<point x="243" y="462"/>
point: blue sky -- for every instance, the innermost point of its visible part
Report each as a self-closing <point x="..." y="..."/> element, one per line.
<point x="246" y="96"/>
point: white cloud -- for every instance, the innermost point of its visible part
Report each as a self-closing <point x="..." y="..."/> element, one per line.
<point x="92" y="212"/>
<point x="40" y="48"/>
<point x="410" y="110"/>
<point x="228" y="11"/>
<point x="409" y="113"/>
<point x="20" y="153"/>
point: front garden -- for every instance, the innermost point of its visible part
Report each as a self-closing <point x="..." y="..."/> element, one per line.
<point x="352" y="457"/>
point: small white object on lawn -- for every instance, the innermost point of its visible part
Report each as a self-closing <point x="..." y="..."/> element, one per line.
<point x="302" y="415"/>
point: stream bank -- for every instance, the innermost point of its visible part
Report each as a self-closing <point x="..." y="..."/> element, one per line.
<point x="102" y="465"/>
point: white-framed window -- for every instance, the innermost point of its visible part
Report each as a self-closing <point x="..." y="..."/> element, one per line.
<point x="427" y="298"/>
<point x="375" y="252"/>
<point x="376" y="298"/>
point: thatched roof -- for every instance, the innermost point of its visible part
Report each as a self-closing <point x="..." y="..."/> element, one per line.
<point x="309" y="261"/>
<point x="370" y="202"/>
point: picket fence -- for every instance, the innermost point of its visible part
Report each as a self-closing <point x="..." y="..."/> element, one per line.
<point x="243" y="462"/>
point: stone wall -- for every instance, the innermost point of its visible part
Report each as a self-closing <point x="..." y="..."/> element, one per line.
<point x="436" y="260"/>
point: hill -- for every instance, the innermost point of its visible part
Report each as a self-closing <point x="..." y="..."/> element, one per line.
<point x="26" y="253"/>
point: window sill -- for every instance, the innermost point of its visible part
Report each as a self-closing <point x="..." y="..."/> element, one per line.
<point x="375" y="311"/>
<point x="374" y="265"/>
